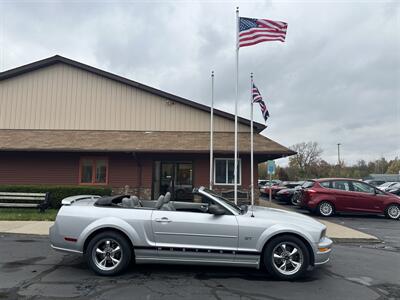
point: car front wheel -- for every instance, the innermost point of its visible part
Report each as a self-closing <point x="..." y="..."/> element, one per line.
<point x="393" y="212"/>
<point x="108" y="253"/>
<point x="286" y="257"/>
<point x="325" y="209"/>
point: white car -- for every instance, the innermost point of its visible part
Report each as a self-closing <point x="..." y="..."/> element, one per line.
<point x="111" y="232"/>
<point x="387" y="185"/>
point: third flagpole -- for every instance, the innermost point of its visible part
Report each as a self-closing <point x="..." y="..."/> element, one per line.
<point x="211" y="130"/>
<point x="251" y="144"/>
<point x="235" y="175"/>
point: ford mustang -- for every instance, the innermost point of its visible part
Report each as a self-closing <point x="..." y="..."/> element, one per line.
<point x="111" y="232"/>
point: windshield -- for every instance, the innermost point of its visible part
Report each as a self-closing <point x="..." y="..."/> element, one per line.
<point x="226" y="201"/>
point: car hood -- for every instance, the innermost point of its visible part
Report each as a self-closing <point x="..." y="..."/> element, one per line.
<point x="280" y="216"/>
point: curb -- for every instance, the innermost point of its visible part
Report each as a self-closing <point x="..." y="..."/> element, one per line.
<point x="355" y="241"/>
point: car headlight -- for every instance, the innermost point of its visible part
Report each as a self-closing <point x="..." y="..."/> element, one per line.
<point x="323" y="234"/>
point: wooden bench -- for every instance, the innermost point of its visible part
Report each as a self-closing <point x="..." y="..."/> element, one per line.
<point x="242" y="196"/>
<point x="17" y="199"/>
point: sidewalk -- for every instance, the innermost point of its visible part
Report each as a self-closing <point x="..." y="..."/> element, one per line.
<point x="337" y="233"/>
<point x="26" y="227"/>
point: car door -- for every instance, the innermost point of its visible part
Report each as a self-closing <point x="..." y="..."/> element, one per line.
<point x="341" y="192"/>
<point x="364" y="198"/>
<point x="188" y="235"/>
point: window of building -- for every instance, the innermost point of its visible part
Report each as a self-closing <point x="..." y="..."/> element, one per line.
<point x="223" y="171"/>
<point x="93" y="170"/>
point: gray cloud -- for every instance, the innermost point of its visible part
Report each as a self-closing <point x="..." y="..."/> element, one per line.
<point x="336" y="79"/>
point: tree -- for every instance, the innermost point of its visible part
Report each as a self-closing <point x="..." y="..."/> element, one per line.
<point x="282" y="174"/>
<point x="262" y="170"/>
<point x="394" y="167"/>
<point x="308" y="156"/>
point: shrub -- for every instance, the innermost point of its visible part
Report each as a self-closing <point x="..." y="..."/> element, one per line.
<point x="57" y="192"/>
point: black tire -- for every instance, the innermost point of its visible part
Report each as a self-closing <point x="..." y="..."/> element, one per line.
<point x="302" y="256"/>
<point x="393" y="212"/>
<point x="110" y="240"/>
<point x="294" y="200"/>
<point x="325" y="209"/>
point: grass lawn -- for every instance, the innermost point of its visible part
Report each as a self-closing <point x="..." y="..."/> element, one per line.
<point x="27" y="214"/>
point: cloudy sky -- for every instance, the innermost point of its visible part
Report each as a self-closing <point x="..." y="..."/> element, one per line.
<point x="336" y="79"/>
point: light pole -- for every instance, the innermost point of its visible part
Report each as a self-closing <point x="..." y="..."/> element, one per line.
<point x="338" y="153"/>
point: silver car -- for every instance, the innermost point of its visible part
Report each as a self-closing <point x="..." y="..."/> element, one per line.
<point x="113" y="231"/>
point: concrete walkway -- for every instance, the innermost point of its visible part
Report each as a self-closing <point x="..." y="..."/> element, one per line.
<point x="26" y="227"/>
<point x="337" y="233"/>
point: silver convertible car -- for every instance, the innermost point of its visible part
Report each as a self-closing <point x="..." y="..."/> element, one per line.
<point x="111" y="232"/>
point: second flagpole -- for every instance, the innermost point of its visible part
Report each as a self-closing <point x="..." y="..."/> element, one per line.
<point x="235" y="173"/>
<point x="211" y="130"/>
<point x="251" y="145"/>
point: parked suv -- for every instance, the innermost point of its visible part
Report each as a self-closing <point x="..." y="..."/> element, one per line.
<point x="330" y="195"/>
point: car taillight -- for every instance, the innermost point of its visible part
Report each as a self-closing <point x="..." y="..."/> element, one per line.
<point x="310" y="191"/>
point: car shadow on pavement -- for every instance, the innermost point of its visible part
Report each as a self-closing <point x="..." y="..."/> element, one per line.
<point x="193" y="271"/>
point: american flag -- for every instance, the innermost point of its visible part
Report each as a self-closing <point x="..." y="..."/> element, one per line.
<point x="254" y="31"/>
<point x="258" y="99"/>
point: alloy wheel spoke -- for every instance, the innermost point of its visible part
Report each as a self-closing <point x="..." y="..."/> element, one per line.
<point x="283" y="266"/>
<point x="294" y="263"/>
<point x="117" y="249"/>
<point x="114" y="261"/>
<point x="103" y="262"/>
<point x="283" y="246"/>
<point x="99" y="251"/>
<point x="294" y="251"/>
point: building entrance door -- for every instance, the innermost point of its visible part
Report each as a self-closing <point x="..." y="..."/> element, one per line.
<point x="174" y="177"/>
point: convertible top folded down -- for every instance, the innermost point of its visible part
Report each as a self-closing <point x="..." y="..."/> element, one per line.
<point x="110" y="200"/>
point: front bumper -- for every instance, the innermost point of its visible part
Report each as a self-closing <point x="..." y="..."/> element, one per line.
<point x="324" y="249"/>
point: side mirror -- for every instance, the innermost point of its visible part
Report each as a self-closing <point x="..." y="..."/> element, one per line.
<point x="216" y="210"/>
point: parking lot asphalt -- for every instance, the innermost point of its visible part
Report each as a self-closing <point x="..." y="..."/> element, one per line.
<point x="29" y="269"/>
<point x="387" y="231"/>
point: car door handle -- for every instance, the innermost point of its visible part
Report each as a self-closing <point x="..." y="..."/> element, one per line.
<point x="163" y="220"/>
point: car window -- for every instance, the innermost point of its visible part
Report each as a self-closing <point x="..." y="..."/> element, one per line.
<point x="341" y="185"/>
<point x="325" y="184"/>
<point x="307" y="184"/>
<point x="362" y="187"/>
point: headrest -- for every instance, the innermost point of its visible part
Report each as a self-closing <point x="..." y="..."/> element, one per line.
<point x="167" y="197"/>
<point x="160" y="202"/>
<point x="135" y="200"/>
<point x="127" y="202"/>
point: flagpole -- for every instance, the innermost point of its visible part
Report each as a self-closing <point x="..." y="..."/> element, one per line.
<point x="211" y="130"/>
<point x="251" y="144"/>
<point x="235" y="175"/>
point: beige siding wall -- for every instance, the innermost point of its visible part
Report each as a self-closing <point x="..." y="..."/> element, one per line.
<point x="64" y="97"/>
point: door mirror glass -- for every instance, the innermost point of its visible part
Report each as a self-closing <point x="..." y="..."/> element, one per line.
<point x="216" y="210"/>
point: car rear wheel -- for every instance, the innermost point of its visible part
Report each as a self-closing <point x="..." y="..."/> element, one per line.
<point x="325" y="209"/>
<point x="286" y="257"/>
<point x="108" y="253"/>
<point x="393" y="212"/>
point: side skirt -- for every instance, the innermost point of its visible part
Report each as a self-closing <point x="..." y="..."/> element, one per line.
<point x="192" y="261"/>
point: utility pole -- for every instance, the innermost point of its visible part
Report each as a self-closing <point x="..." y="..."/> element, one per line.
<point x="338" y="153"/>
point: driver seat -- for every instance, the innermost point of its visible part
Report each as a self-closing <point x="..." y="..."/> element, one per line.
<point x="168" y="205"/>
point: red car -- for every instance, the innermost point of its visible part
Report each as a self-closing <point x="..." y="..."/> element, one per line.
<point x="329" y="195"/>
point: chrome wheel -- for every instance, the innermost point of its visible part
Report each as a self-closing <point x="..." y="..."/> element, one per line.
<point x="393" y="211"/>
<point x="287" y="258"/>
<point x="107" y="254"/>
<point x="326" y="209"/>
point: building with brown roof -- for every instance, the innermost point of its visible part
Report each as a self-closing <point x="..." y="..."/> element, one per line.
<point x="66" y="123"/>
